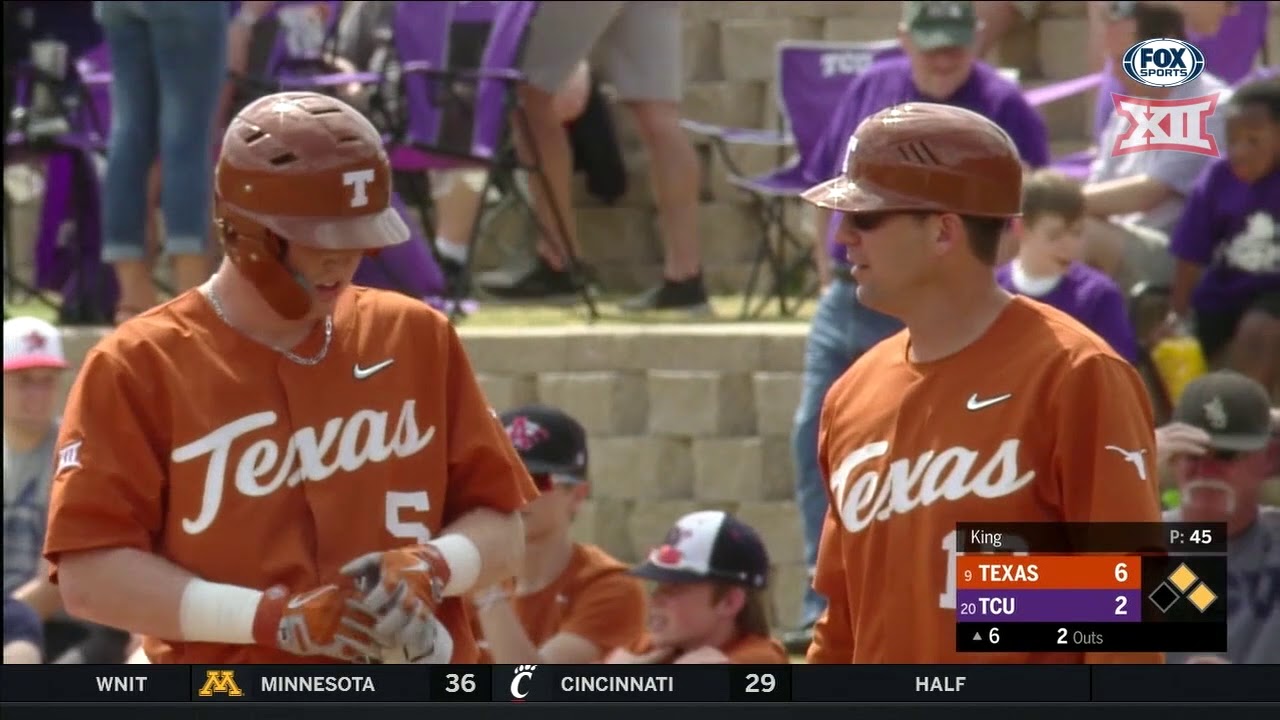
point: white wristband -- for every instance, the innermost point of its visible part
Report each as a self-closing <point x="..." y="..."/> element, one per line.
<point x="213" y="612"/>
<point x="463" y="558"/>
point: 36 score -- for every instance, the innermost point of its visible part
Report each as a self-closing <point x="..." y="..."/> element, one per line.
<point x="761" y="683"/>
<point x="460" y="683"/>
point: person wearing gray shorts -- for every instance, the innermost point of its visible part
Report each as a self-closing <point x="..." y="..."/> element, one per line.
<point x="640" y="45"/>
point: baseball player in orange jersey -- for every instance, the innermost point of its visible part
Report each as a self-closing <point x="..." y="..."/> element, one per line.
<point x="570" y="603"/>
<point x="277" y="467"/>
<point x="985" y="408"/>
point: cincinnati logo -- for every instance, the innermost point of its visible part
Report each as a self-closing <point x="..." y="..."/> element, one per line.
<point x="220" y="682"/>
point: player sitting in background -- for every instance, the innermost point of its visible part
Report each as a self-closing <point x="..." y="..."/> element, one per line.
<point x="1222" y="482"/>
<point x="570" y="603"/>
<point x="1048" y="267"/>
<point x="709" y="604"/>
<point x="988" y="407"/>
<point x="1227" y="243"/>
<point x="278" y="467"/>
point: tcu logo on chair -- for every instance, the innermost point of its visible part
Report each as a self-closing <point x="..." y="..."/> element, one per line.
<point x="359" y="181"/>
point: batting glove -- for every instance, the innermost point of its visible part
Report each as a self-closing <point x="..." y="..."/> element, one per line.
<point x="401" y="589"/>
<point x="326" y="621"/>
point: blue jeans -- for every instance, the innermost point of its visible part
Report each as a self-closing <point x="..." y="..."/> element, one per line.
<point x="168" y="65"/>
<point x="842" y="330"/>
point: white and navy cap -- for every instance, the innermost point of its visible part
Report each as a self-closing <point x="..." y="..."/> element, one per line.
<point x="32" y="343"/>
<point x="708" y="545"/>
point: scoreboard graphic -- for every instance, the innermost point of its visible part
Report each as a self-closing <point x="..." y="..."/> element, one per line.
<point x="1091" y="587"/>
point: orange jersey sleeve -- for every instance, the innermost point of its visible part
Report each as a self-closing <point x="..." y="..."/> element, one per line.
<point x="594" y="598"/>
<point x="832" y="634"/>
<point x="484" y="468"/>
<point x="1105" y="453"/>
<point x="109" y="480"/>
<point x="608" y="607"/>
<point x="1105" y="445"/>
<point x="756" y="650"/>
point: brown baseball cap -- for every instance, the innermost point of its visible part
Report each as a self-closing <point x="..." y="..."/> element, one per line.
<point x="930" y="157"/>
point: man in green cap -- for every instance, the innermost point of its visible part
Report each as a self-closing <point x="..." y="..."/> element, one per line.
<point x="1221" y="480"/>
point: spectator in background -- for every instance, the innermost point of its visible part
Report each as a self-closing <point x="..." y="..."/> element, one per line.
<point x="997" y="18"/>
<point x="570" y="603"/>
<point x="1232" y="35"/>
<point x="1221" y="481"/>
<point x="23" y="636"/>
<point x="940" y="66"/>
<point x="34" y="366"/>
<point x="1048" y="268"/>
<point x="1133" y="200"/>
<point x="642" y="46"/>
<point x="709" y="604"/>
<point x="1227" y="243"/>
<point x="168" y="63"/>
<point x="365" y="40"/>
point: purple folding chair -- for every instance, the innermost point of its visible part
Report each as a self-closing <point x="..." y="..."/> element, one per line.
<point x="301" y="55"/>
<point x="51" y="122"/>
<point x="812" y="77"/>
<point x="459" y="67"/>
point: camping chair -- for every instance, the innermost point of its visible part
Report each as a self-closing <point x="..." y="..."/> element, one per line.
<point x="301" y="55"/>
<point x="54" y="120"/>
<point x="812" y="77"/>
<point x="456" y="111"/>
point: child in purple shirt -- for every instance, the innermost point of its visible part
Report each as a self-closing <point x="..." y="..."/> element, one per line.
<point x="1048" y="267"/>
<point x="1227" y="242"/>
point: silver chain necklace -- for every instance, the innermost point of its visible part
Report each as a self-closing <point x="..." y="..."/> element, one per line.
<point x="289" y="354"/>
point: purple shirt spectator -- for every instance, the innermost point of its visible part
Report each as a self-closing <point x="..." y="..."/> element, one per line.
<point x="887" y="83"/>
<point x="1174" y="168"/>
<point x="1233" y="230"/>
<point x="1089" y="296"/>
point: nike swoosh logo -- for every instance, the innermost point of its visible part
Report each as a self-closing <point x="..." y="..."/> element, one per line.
<point x="362" y="373"/>
<point x="976" y="404"/>
<point x="307" y="597"/>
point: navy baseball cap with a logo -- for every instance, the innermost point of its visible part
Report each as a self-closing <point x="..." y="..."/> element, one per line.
<point x="549" y="441"/>
<point x="708" y="545"/>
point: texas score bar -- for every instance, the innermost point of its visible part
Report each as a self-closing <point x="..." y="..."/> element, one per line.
<point x="1091" y="587"/>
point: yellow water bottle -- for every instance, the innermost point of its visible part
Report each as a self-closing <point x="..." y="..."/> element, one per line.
<point x="1179" y="360"/>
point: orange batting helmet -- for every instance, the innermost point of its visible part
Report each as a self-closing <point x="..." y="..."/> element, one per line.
<point x="305" y="168"/>
<point x="926" y="157"/>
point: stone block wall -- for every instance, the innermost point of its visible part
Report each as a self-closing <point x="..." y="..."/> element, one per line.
<point x="678" y="419"/>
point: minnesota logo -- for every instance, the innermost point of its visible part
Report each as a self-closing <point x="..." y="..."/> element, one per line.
<point x="220" y="681"/>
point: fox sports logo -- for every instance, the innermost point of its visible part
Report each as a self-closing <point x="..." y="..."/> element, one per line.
<point x="1163" y="62"/>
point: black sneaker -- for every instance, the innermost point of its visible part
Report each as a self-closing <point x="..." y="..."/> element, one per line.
<point x="541" y="281"/>
<point x="688" y="295"/>
<point x="455" y="276"/>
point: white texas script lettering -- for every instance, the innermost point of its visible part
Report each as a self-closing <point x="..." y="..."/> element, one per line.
<point x="360" y="439"/>
<point x="946" y="475"/>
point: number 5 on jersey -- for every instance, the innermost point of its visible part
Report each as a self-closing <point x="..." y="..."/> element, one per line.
<point x="400" y="504"/>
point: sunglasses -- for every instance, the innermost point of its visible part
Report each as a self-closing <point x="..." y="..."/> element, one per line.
<point x="866" y="222"/>
<point x="545" y="481"/>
